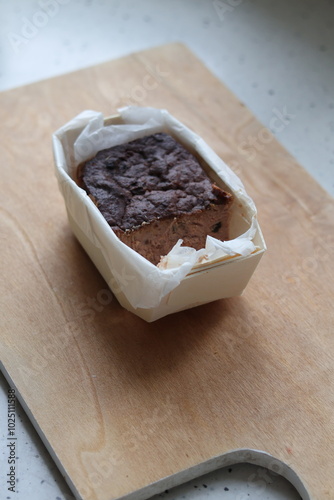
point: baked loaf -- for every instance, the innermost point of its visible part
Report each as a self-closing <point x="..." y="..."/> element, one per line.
<point x="153" y="192"/>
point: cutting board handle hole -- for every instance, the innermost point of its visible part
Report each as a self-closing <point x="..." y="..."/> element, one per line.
<point x="254" y="457"/>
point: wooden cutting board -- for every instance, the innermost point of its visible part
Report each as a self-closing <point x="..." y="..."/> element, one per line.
<point x="126" y="406"/>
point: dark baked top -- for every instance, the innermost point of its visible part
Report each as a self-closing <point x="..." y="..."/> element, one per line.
<point x="148" y="178"/>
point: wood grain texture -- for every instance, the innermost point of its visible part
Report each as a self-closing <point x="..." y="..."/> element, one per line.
<point x="124" y="403"/>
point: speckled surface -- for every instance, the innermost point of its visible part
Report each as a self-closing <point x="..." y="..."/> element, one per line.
<point x="272" y="55"/>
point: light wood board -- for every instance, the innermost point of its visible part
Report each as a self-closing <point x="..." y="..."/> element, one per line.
<point x="122" y="403"/>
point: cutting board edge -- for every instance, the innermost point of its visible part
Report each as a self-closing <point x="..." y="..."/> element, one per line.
<point x="39" y="431"/>
<point x="279" y="435"/>
<point x="232" y="457"/>
<point x="91" y="66"/>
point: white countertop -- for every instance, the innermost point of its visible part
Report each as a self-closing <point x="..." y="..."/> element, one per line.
<point x="272" y="55"/>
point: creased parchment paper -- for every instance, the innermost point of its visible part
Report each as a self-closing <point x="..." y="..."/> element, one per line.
<point x="143" y="283"/>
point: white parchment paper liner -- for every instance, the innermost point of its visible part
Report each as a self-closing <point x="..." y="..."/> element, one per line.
<point x="143" y="283"/>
